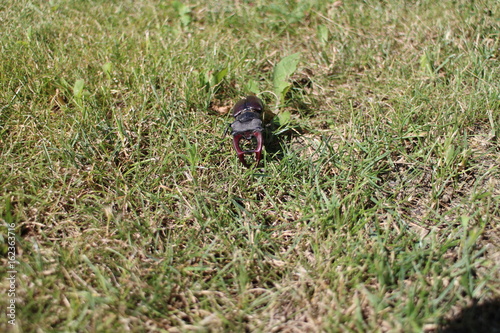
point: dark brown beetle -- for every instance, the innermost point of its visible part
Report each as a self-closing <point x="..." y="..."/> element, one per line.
<point x="247" y="127"/>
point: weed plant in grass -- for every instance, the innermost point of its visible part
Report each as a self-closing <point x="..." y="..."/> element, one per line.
<point x="376" y="207"/>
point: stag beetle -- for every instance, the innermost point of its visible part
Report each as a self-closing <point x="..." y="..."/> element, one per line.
<point x="247" y="128"/>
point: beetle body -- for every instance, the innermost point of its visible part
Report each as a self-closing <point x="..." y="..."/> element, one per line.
<point x="247" y="128"/>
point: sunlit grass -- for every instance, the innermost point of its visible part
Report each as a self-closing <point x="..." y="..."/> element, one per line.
<point x="376" y="206"/>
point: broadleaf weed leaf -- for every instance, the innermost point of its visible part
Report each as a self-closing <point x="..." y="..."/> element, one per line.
<point x="78" y="88"/>
<point x="282" y="71"/>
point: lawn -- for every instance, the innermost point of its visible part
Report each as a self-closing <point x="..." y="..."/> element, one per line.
<point x="123" y="206"/>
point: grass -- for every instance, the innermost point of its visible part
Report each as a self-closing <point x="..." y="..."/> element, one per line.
<point x="376" y="208"/>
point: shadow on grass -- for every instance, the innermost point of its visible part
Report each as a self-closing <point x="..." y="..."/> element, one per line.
<point x="276" y="143"/>
<point x="484" y="318"/>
